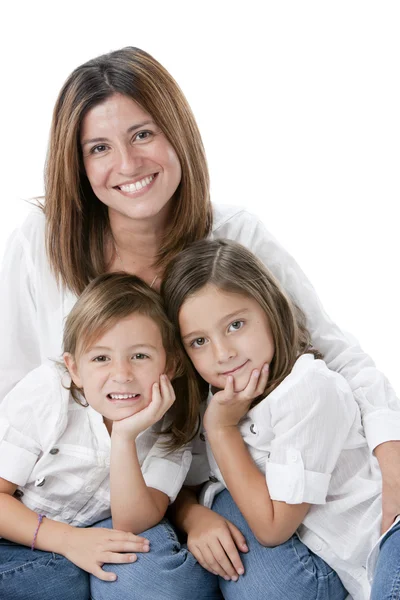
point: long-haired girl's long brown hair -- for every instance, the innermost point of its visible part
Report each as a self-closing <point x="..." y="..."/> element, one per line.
<point x="77" y="224"/>
<point x="233" y="268"/>
<point x="115" y="296"/>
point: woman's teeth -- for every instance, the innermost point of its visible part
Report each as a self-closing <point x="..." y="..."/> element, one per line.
<point x="138" y="185"/>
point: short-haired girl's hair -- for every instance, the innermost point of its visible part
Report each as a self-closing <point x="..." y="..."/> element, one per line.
<point x="231" y="267"/>
<point x="77" y="222"/>
<point x="115" y="296"/>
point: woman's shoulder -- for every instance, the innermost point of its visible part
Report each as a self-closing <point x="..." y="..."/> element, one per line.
<point x="230" y="216"/>
<point x="29" y="237"/>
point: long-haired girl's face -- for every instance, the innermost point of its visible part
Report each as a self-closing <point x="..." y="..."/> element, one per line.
<point x="130" y="164"/>
<point x="225" y="334"/>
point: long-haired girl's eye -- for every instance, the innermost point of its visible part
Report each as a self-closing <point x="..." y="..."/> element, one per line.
<point x="235" y="325"/>
<point x="198" y="342"/>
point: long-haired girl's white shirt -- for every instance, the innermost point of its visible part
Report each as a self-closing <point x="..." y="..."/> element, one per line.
<point x="33" y="309"/>
<point x="58" y="452"/>
<point x="307" y="437"/>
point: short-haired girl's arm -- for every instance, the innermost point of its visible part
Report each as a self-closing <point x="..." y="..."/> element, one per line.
<point x="311" y="423"/>
<point x="135" y="505"/>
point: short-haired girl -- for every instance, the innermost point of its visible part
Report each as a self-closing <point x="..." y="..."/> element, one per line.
<point x="282" y="433"/>
<point x="78" y="447"/>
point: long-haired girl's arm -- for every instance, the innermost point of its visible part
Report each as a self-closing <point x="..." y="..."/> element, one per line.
<point x="311" y="419"/>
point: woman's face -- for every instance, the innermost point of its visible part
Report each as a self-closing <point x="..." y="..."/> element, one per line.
<point x="130" y="164"/>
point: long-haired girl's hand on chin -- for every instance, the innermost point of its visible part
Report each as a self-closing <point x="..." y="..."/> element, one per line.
<point x="227" y="407"/>
<point x="89" y="548"/>
<point x="163" y="397"/>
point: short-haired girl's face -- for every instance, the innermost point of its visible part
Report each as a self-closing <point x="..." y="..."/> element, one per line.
<point x="117" y="371"/>
<point x="130" y="164"/>
<point x="225" y="334"/>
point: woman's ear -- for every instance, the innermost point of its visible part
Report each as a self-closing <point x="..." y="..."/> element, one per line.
<point x="72" y="367"/>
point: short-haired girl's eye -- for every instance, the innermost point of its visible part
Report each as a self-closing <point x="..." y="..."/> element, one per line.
<point x="100" y="358"/>
<point x="235" y="325"/>
<point x="198" y="342"/>
<point x="139" y="356"/>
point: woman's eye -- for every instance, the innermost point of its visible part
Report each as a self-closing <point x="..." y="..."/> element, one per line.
<point x="143" y="136"/>
<point x="198" y="342"/>
<point x="98" y="149"/>
<point x="139" y="356"/>
<point x="235" y="325"/>
<point x="101" y="358"/>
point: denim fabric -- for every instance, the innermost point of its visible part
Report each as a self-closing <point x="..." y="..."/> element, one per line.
<point x="37" y="575"/>
<point x="386" y="583"/>
<point x="168" y="572"/>
<point x="286" y="572"/>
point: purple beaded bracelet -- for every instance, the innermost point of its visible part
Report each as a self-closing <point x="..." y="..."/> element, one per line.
<point x="40" y="519"/>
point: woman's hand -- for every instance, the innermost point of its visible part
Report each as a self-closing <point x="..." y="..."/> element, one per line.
<point x="214" y="542"/>
<point x="163" y="397"/>
<point x="90" y="548"/>
<point x="227" y="407"/>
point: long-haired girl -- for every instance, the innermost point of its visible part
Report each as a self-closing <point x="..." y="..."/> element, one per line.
<point x="282" y="434"/>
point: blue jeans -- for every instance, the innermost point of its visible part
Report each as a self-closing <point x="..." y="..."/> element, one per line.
<point x="386" y="584"/>
<point x="168" y="572"/>
<point x="286" y="572"/>
<point x="39" y="575"/>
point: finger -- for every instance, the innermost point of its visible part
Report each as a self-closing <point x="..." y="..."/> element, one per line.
<point x="229" y="388"/>
<point x="103" y="575"/>
<point x="223" y="559"/>
<point x="238" y="537"/>
<point x="249" y="391"/>
<point x="123" y="546"/>
<point x="200" y="559"/>
<point x="117" y="534"/>
<point x="217" y="563"/>
<point x="117" y="558"/>
<point x="155" y="397"/>
<point x="167" y="391"/>
<point x="263" y="380"/>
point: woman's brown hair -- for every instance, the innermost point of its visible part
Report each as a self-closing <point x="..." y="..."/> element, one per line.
<point x="115" y="296"/>
<point x="233" y="268"/>
<point x="77" y="224"/>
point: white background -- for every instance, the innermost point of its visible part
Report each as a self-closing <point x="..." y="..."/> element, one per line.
<point x="298" y="103"/>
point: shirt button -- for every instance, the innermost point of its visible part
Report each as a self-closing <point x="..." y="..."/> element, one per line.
<point x="318" y="547"/>
<point x="213" y="478"/>
<point x="66" y="516"/>
<point x="202" y="437"/>
<point x="54" y="451"/>
<point x="293" y="457"/>
<point x="253" y="428"/>
<point x="39" y="482"/>
<point x="88" y="488"/>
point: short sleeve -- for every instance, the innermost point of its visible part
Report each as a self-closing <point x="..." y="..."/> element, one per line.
<point x="311" y="422"/>
<point x="166" y="471"/>
<point x="28" y="415"/>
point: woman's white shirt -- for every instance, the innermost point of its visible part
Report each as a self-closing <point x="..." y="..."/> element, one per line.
<point x="58" y="452"/>
<point x="33" y="309"/>
<point x="307" y="438"/>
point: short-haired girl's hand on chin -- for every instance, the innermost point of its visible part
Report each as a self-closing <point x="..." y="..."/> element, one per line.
<point x="90" y="548"/>
<point x="215" y="543"/>
<point x="163" y="397"/>
<point x="227" y="407"/>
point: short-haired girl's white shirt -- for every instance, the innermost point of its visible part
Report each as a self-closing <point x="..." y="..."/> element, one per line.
<point x="58" y="452"/>
<point x="33" y="310"/>
<point x="307" y="437"/>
